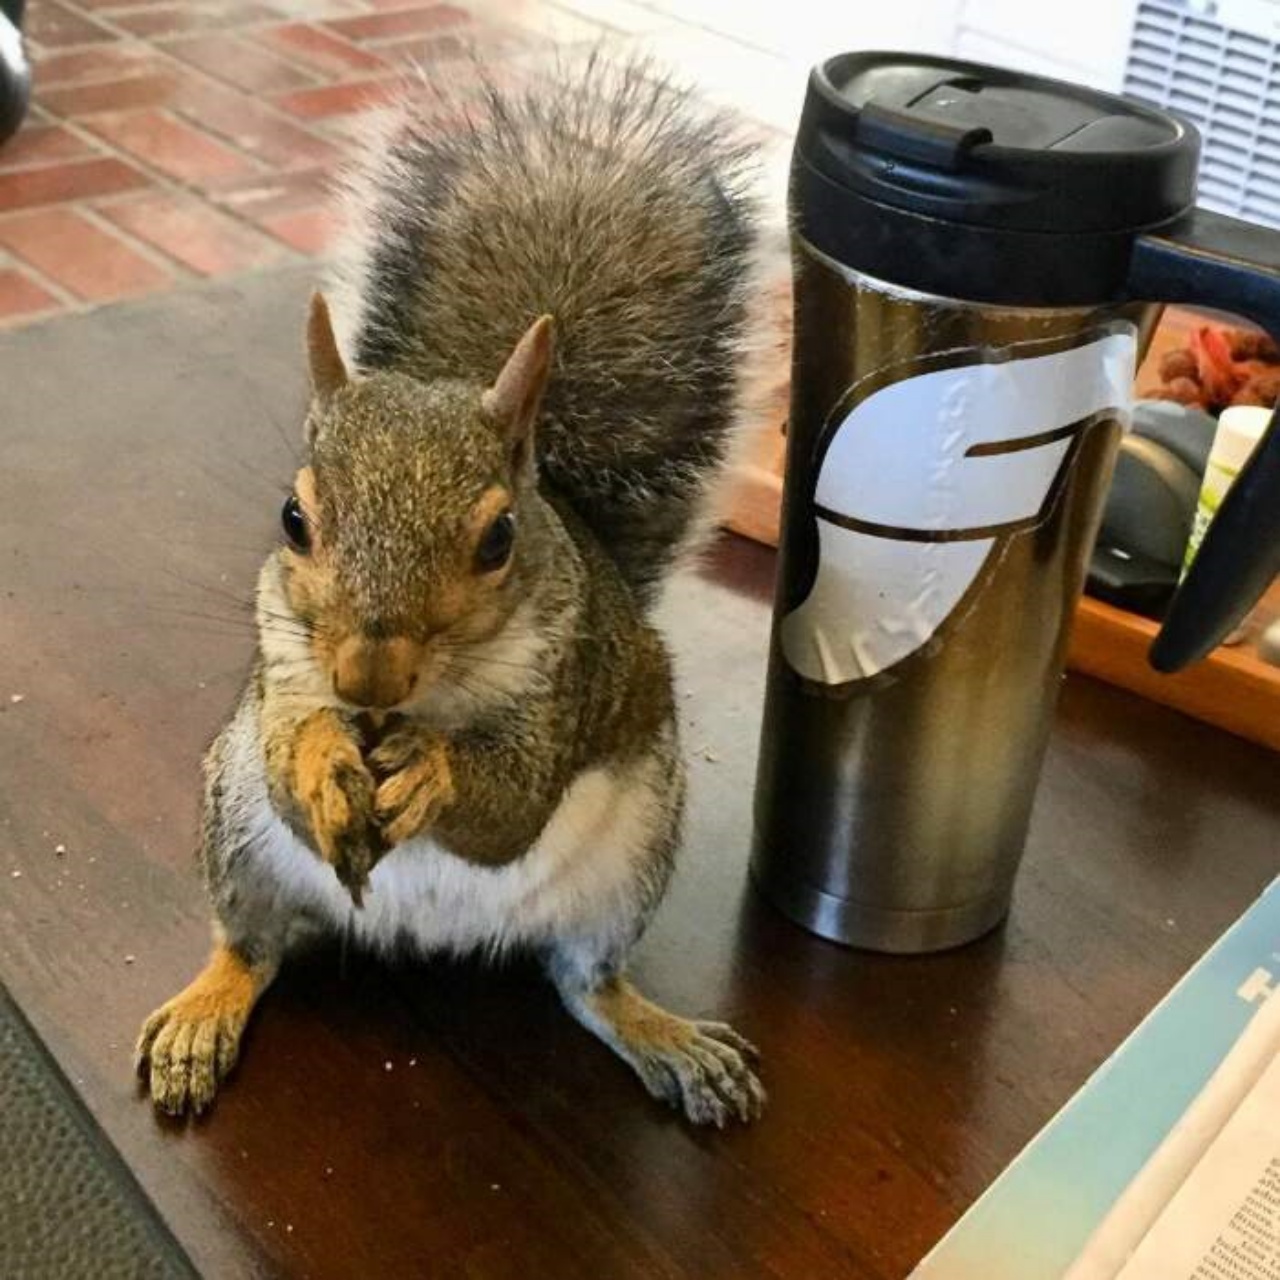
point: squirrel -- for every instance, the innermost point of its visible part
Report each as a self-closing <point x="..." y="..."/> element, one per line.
<point x="460" y="732"/>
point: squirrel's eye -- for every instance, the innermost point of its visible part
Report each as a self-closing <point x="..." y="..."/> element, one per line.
<point x="494" y="549"/>
<point x="295" y="524"/>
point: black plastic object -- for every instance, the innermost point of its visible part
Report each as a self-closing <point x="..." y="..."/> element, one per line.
<point x="1150" y="507"/>
<point x="1129" y="581"/>
<point x="15" y="72"/>
<point x="1185" y="431"/>
<point x="1217" y="261"/>
<point x="969" y="181"/>
<point x="1151" y="503"/>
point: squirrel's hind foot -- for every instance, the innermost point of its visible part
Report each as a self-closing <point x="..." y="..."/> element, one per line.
<point x="189" y="1045"/>
<point x="704" y="1069"/>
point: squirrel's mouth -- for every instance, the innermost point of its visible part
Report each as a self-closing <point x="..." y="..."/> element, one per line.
<point x="376" y="675"/>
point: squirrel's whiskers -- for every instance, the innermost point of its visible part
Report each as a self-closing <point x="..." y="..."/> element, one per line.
<point x="460" y="733"/>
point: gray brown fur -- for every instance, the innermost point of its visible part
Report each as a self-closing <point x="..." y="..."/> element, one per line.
<point x="612" y="202"/>
<point x="534" y="742"/>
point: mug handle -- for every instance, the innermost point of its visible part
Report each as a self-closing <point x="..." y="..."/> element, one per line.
<point x="1209" y="260"/>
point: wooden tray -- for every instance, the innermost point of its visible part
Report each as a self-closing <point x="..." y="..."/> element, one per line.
<point x="1233" y="688"/>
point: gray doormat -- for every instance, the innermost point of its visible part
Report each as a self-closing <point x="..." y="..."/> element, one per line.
<point x="69" y="1208"/>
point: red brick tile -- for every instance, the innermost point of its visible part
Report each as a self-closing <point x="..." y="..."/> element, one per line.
<point x="489" y="42"/>
<point x="403" y="22"/>
<point x="79" y="255"/>
<point x="388" y="4"/>
<point x="113" y="95"/>
<point x="43" y="144"/>
<point x="421" y="50"/>
<point x="322" y="50"/>
<point x="316" y="10"/>
<point x="172" y="146"/>
<point x="254" y="127"/>
<point x="191" y="232"/>
<point x="53" y="25"/>
<point x="240" y="63"/>
<point x="271" y="194"/>
<point x="76" y="180"/>
<point x="101" y="62"/>
<point x="21" y="296"/>
<point x="336" y="99"/>
<point x="101" y="5"/>
<point x="175" y="19"/>
<point x="309" y="231"/>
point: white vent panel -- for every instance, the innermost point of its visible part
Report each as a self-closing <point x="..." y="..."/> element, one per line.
<point x="1226" y="79"/>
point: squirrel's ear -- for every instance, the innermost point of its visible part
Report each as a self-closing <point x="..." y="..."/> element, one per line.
<point x="513" y="400"/>
<point x="328" y="373"/>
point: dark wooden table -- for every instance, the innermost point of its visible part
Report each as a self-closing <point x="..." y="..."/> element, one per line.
<point x="438" y="1120"/>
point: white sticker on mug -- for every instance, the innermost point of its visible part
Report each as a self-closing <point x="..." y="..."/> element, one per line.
<point x="921" y="480"/>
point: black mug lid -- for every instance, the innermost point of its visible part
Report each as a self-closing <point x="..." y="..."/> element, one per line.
<point x="981" y="146"/>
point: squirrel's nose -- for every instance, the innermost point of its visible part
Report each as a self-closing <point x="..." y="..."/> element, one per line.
<point x="376" y="673"/>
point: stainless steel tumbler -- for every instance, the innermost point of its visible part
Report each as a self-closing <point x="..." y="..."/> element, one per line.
<point x="978" y="261"/>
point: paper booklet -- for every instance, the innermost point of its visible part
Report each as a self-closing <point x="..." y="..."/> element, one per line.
<point x="1166" y="1165"/>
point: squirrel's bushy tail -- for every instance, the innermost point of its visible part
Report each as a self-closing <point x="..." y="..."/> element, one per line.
<point x="612" y="200"/>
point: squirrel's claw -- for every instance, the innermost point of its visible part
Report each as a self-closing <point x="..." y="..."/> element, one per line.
<point x="416" y="783"/>
<point x="336" y="791"/>
<point x="705" y="1074"/>
<point x="188" y="1045"/>
<point x="704" y="1069"/>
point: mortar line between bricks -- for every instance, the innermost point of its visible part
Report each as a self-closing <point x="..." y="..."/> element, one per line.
<point x="252" y="24"/>
<point x="161" y="177"/>
<point x="133" y="45"/>
<point x="268" y="169"/>
<point x="113" y="25"/>
<point x="292" y="256"/>
<point x="100" y="149"/>
<point x="258" y="96"/>
<point x="64" y="296"/>
<point x="99" y="20"/>
<point x="295" y="59"/>
<point x="192" y="121"/>
<point x="151" y="253"/>
<point x="167" y="185"/>
<point x="195" y="75"/>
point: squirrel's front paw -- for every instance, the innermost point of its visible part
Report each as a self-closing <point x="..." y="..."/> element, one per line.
<point x="415" y="782"/>
<point x="336" y="792"/>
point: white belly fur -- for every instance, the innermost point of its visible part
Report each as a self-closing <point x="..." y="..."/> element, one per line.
<point x="581" y="877"/>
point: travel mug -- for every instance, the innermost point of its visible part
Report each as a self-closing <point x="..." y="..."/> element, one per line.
<point x="979" y="258"/>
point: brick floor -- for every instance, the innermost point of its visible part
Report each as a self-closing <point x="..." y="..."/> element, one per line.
<point x="52" y="25"/>
<point x="336" y="99"/>
<point x="254" y="127"/>
<point x="44" y="144"/>
<point x="133" y="92"/>
<point x="320" y="50"/>
<point x="186" y="229"/>
<point x="173" y="140"/>
<point x="99" y="62"/>
<point x="172" y="20"/>
<point x="21" y="297"/>
<point x="405" y="22"/>
<point x="309" y="231"/>
<point x="80" y="255"/>
<point x="175" y="148"/>
<point x="240" y="62"/>
<point x="60" y="183"/>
